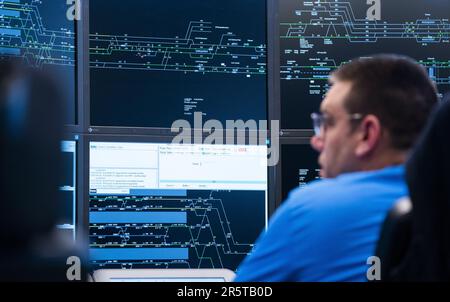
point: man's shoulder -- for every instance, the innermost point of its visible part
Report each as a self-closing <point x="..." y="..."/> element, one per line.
<point x="318" y="191"/>
<point x="355" y="187"/>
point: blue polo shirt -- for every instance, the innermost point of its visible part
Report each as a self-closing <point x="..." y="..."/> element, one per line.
<point x="327" y="230"/>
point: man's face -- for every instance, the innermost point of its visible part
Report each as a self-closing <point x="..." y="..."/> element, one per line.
<point x="337" y="142"/>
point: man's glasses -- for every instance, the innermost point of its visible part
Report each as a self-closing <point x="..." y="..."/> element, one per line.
<point x="322" y="121"/>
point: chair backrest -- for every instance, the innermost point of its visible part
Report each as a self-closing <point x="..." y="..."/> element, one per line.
<point x="395" y="237"/>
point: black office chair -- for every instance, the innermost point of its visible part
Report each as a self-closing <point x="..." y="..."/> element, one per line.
<point x="425" y="231"/>
<point x="395" y="238"/>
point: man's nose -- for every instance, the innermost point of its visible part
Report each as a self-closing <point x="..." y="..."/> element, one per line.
<point x="317" y="143"/>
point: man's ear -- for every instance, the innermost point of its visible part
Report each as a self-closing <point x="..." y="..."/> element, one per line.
<point x="369" y="137"/>
<point x="317" y="143"/>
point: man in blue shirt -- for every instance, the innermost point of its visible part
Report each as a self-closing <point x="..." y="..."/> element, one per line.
<point x="369" y="121"/>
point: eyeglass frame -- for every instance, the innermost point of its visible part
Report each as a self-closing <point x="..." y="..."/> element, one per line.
<point x="319" y="119"/>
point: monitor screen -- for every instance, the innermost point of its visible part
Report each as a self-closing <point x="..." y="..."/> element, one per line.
<point x="155" y="62"/>
<point x="299" y="167"/>
<point x="41" y="34"/>
<point x="319" y="36"/>
<point x="175" y="206"/>
<point x="67" y="189"/>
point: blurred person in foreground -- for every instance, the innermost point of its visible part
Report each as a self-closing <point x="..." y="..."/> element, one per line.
<point x="30" y="161"/>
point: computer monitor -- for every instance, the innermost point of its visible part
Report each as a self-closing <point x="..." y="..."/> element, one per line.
<point x="299" y="167"/>
<point x="161" y="205"/>
<point x="67" y="189"/>
<point x="319" y="36"/>
<point x="155" y="62"/>
<point x="40" y="34"/>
